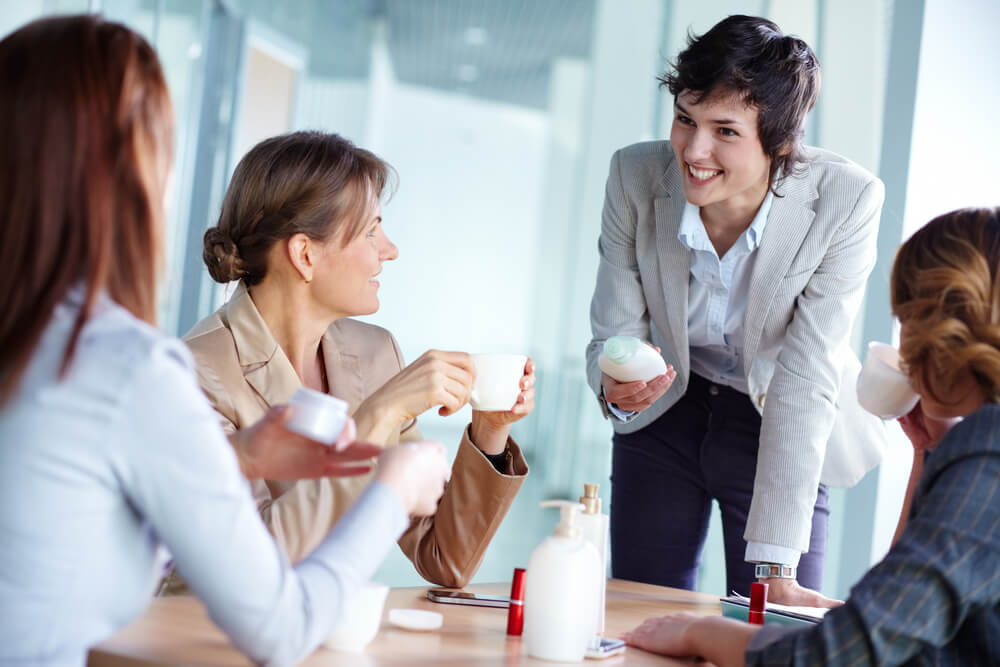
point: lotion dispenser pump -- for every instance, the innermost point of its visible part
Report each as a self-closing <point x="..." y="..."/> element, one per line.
<point x="561" y="594"/>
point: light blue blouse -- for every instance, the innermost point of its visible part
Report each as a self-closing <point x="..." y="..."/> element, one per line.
<point x="718" y="293"/>
<point x="101" y="469"/>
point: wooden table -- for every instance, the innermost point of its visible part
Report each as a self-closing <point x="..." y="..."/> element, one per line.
<point x="176" y="630"/>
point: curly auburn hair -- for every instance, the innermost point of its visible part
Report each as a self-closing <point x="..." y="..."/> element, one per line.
<point x="945" y="289"/>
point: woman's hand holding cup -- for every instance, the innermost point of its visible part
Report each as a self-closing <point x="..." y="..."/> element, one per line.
<point x="490" y="428"/>
<point x="436" y="378"/>
<point x="416" y="472"/>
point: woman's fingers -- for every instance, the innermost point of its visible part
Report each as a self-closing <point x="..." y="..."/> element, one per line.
<point x="624" y="391"/>
<point x="347" y="435"/>
<point x="451" y="395"/>
<point x="337" y="470"/>
<point x="638" y="396"/>
<point x="355" y="451"/>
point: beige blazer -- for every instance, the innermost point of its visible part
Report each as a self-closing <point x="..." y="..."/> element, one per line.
<point x="243" y="371"/>
<point x="807" y="285"/>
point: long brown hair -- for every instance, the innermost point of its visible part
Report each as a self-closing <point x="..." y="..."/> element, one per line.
<point x="313" y="183"/>
<point x="86" y="135"/>
<point x="945" y="290"/>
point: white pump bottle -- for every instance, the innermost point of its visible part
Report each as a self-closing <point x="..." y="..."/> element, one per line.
<point x="628" y="359"/>
<point x="560" y="591"/>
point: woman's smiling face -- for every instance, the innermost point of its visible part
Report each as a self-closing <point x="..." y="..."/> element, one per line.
<point x="345" y="280"/>
<point x="717" y="145"/>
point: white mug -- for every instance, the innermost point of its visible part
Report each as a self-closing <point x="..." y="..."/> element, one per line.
<point x="360" y="621"/>
<point x="317" y="415"/>
<point x="498" y="381"/>
<point x="883" y="389"/>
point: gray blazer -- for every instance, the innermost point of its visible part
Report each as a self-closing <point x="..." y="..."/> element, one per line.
<point x="807" y="285"/>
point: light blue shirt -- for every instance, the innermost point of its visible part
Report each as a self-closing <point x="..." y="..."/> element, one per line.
<point x="718" y="292"/>
<point x="102" y="468"/>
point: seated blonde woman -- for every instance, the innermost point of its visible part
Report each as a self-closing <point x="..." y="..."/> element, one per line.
<point x="935" y="597"/>
<point x="301" y="231"/>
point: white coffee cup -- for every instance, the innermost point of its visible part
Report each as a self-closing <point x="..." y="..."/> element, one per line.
<point x="361" y="620"/>
<point x="317" y="415"/>
<point x="883" y="389"/>
<point x="498" y="381"/>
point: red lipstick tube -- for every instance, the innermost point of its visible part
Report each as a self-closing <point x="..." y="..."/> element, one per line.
<point x="515" y="613"/>
<point x="758" y="603"/>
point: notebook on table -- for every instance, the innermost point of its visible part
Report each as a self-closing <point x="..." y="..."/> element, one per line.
<point x="737" y="606"/>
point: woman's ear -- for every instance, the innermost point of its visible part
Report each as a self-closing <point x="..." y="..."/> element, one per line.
<point x="302" y="255"/>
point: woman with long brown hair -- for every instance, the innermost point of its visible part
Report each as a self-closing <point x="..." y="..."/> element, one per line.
<point x="935" y="597"/>
<point x="108" y="450"/>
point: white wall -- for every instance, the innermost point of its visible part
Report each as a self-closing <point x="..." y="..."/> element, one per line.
<point x="956" y="135"/>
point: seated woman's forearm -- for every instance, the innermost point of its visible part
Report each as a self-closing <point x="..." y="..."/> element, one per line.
<point x="721" y="641"/>
<point x="376" y="423"/>
<point x="488" y="438"/>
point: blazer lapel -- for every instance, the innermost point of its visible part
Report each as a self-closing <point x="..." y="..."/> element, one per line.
<point x="265" y="366"/>
<point x="787" y="225"/>
<point x="343" y="370"/>
<point x="674" y="258"/>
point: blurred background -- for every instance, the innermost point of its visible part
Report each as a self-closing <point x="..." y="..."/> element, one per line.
<point x="501" y="117"/>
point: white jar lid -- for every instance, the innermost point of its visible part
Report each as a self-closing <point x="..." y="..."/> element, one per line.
<point x="416" y="620"/>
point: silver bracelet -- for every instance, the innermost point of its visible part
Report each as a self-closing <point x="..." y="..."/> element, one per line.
<point x="774" y="571"/>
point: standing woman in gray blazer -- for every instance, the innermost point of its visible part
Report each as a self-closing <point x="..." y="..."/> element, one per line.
<point x="743" y="256"/>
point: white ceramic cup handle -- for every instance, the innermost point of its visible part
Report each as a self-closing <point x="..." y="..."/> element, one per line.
<point x="473" y="396"/>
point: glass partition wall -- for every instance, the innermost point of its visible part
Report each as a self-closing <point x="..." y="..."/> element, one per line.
<point x="501" y="118"/>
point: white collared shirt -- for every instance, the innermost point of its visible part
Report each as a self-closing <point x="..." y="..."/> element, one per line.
<point x="718" y="292"/>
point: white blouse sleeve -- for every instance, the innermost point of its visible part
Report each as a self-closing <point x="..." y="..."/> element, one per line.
<point x="179" y="471"/>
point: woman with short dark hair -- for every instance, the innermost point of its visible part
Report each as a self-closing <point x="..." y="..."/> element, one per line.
<point x="743" y="255"/>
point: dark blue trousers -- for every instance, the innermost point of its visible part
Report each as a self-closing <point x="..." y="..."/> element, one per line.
<point x="664" y="478"/>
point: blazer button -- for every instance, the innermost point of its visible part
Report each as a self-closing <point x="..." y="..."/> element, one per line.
<point x="760" y="400"/>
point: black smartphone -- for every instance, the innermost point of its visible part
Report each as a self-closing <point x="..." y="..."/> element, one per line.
<point x="462" y="597"/>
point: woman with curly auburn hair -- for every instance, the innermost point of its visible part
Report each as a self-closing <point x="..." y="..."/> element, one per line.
<point x="935" y="597"/>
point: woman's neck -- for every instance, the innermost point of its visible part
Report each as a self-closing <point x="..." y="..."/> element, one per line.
<point x="291" y="317"/>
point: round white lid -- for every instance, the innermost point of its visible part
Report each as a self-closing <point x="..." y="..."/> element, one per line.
<point x="418" y="620"/>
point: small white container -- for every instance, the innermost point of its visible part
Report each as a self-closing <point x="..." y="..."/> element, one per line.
<point x="316" y="415"/>
<point x="883" y="389"/>
<point x="360" y="621"/>
<point x="628" y="359"/>
<point x="560" y="591"/>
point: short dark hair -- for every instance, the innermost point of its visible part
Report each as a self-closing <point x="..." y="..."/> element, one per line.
<point x="750" y="57"/>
